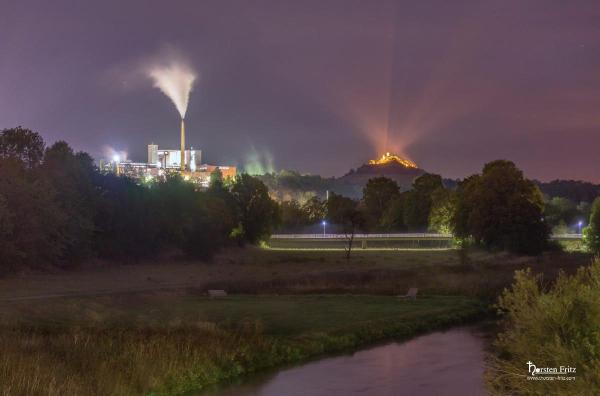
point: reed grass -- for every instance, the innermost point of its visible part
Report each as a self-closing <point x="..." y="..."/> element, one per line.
<point x="179" y="357"/>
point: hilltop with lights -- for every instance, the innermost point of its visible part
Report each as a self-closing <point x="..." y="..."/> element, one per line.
<point x="389" y="165"/>
<point x="287" y="185"/>
<point x="388" y="158"/>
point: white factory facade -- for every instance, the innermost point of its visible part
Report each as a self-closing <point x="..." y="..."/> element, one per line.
<point x="171" y="159"/>
<point x="161" y="161"/>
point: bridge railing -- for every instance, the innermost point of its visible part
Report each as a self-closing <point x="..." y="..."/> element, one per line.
<point x="566" y="236"/>
<point x="397" y="236"/>
<point x="363" y="236"/>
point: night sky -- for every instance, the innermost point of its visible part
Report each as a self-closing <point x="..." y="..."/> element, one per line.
<point x="319" y="86"/>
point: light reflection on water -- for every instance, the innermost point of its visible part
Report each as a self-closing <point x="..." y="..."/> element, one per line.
<point x="442" y="363"/>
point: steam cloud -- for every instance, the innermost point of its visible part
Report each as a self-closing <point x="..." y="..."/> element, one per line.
<point x="175" y="78"/>
<point x="258" y="163"/>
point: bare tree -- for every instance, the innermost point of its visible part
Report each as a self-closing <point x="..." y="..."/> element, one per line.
<point x="346" y="213"/>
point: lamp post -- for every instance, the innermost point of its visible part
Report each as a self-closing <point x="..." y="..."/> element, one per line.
<point x="324" y="223"/>
<point x="579" y="224"/>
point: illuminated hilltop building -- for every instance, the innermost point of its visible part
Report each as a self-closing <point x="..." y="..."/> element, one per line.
<point x="388" y="158"/>
<point x="401" y="170"/>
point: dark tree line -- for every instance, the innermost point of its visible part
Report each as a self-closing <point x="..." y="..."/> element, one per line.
<point x="57" y="208"/>
<point x="383" y="208"/>
<point x="498" y="209"/>
<point x="573" y="190"/>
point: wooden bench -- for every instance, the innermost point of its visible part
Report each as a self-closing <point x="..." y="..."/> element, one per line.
<point x="217" y="293"/>
<point x="411" y="294"/>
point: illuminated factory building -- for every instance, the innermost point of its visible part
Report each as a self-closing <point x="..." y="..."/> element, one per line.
<point x="171" y="159"/>
<point x="161" y="161"/>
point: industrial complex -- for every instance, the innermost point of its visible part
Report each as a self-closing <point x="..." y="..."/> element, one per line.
<point x="162" y="161"/>
<point x="176" y="82"/>
<point x="187" y="162"/>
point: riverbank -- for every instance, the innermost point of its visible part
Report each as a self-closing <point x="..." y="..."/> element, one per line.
<point x="449" y="362"/>
<point x="184" y="343"/>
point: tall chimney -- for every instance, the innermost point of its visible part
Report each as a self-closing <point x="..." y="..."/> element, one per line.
<point x="182" y="146"/>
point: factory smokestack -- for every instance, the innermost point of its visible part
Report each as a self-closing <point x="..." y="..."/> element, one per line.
<point x="175" y="78"/>
<point x="182" y="145"/>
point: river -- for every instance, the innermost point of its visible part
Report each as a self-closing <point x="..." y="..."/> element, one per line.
<point x="442" y="363"/>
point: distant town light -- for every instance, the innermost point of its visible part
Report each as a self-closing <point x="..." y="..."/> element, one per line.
<point x="116" y="158"/>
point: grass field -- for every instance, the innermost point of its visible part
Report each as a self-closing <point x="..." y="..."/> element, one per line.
<point x="180" y="342"/>
<point x="284" y="315"/>
<point x="260" y="271"/>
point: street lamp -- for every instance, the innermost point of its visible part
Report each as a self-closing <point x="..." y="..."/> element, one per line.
<point x="579" y="224"/>
<point x="324" y="224"/>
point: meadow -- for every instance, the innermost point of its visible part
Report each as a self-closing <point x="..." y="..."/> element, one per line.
<point x="172" y="343"/>
<point x="149" y="328"/>
<point x="267" y="271"/>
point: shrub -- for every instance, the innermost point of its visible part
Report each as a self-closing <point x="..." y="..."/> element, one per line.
<point x="553" y="328"/>
<point x="591" y="234"/>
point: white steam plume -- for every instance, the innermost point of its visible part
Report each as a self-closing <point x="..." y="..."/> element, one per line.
<point x="175" y="78"/>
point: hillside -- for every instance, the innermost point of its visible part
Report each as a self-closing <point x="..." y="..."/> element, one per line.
<point x="401" y="170"/>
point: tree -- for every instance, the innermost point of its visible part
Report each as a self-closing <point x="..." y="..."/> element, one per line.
<point x="576" y="191"/>
<point x="31" y="223"/>
<point x="210" y="227"/>
<point x="293" y="217"/>
<point x="345" y="212"/>
<point x="178" y="203"/>
<point x="315" y="209"/>
<point x="418" y="201"/>
<point x="443" y="202"/>
<point x="22" y="144"/>
<point x="7" y="226"/>
<point x="222" y="215"/>
<point x="500" y="209"/>
<point x="259" y="214"/>
<point x="130" y="222"/>
<point x="591" y="233"/>
<point x="393" y="217"/>
<point x="584" y="210"/>
<point x="377" y="195"/>
<point x="465" y="196"/>
<point x="216" y="177"/>
<point x="71" y="175"/>
<point x="560" y="210"/>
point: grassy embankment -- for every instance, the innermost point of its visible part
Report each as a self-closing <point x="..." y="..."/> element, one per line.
<point x="175" y="343"/>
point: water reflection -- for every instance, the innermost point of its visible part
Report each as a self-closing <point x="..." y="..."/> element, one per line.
<point x="442" y="363"/>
